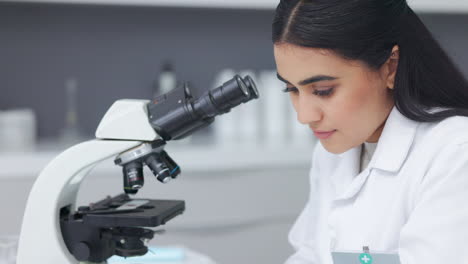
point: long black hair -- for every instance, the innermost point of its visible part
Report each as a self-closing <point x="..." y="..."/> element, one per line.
<point x="367" y="30"/>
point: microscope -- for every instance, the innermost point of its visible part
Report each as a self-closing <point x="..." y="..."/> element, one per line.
<point x="133" y="132"/>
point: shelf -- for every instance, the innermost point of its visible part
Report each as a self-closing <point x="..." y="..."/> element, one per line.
<point x="435" y="6"/>
<point x="195" y="159"/>
<point x="236" y="4"/>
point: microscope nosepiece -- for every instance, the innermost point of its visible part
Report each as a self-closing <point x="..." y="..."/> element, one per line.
<point x="152" y="155"/>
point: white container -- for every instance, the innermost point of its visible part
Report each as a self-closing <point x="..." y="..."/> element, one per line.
<point x="300" y="135"/>
<point x="225" y="128"/>
<point x="276" y="117"/>
<point x="8" y="249"/>
<point x="248" y="117"/>
<point x="167" y="79"/>
<point x="17" y="130"/>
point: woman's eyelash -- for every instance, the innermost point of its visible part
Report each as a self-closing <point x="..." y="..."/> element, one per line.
<point x="323" y="92"/>
<point x="289" y="89"/>
<point x="315" y="92"/>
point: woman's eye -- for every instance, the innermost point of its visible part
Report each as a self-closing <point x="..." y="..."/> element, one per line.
<point x="323" y="92"/>
<point x="290" y="89"/>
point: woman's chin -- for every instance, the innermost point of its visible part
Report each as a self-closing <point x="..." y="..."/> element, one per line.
<point x="333" y="148"/>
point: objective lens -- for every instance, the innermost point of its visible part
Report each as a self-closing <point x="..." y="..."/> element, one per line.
<point x="158" y="167"/>
<point x="133" y="177"/>
<point x="174" y="169"/>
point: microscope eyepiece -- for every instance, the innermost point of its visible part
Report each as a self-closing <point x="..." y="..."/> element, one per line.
<point x="224" y="97"/>
<point x="254" y="94"/>
<point x="177" y="114"/>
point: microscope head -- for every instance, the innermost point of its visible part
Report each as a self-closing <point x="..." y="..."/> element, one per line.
<point x="173" y="116"/>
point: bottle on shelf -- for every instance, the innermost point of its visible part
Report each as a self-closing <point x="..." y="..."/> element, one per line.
<point x="224" y="128"/>
<point x="166" y="80"/>
<point x="71" y="132"/>
<point x="275" y="110"/>
<point x="249" y="116"/>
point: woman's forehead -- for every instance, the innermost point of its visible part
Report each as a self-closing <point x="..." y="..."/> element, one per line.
<point x="295" y="62"/>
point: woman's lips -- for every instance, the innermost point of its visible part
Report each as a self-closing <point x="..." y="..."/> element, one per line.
<point x="323" y="134"/>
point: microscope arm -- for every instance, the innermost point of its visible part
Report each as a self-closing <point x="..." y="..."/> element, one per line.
<point x="56" y="187"/>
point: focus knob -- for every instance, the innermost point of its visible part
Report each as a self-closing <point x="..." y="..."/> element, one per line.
<point x="81" y="251"/>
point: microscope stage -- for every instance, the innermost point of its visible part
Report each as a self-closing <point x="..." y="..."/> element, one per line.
<point x="124" y="211"/>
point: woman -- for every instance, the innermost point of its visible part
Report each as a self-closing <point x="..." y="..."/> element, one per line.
<point x="389" y="107"/>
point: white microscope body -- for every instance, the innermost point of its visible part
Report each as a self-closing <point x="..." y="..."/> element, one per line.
<point x="123" y="127"/>
<point x="134" y="131"/>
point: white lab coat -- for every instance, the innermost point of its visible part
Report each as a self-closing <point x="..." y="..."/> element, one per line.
<point x="411" y="200"/>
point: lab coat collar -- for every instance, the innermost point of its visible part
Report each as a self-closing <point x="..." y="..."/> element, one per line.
<point x="391" y="151"/>
<point x="394" y="143"/>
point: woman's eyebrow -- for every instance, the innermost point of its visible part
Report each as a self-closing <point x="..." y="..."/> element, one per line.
<point x="281" y="78"/>
<point x="316" y="78"/>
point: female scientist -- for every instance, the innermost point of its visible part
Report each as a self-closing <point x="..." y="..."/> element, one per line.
<point x="389" y="108"/>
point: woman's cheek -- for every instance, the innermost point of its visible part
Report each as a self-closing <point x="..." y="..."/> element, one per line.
<point x="356" y="98"/>
<point x="344" y="103"/>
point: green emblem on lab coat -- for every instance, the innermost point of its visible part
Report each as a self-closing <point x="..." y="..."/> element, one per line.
<point x="365" y="258"/>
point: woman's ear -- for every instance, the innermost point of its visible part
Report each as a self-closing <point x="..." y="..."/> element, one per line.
<point x="391" y="66"/>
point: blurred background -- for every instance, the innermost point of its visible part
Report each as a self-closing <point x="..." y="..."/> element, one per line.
<point x="245" y="178"/>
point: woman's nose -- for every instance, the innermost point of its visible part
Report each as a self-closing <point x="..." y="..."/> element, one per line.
<point x="307" y="113"/>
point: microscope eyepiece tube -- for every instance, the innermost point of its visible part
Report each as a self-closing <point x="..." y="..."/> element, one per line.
<point x="226" y="96"/>
<point x="177" y="114"/>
